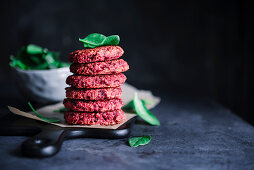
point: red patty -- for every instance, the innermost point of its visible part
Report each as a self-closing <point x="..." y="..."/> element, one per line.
<point x="93" y="106"/>
<point x="107" y="67"/>
<point x="94" y="94"/>
<point x="102" y="53"/>
<point x="99" y="81"/>
<point x="103" y="118"/>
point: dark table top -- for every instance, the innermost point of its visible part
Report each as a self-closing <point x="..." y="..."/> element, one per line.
<point x="194" y="134"/>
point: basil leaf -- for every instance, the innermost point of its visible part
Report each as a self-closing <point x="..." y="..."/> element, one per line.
<point x="95" y="40"/>
<point x="143" y="112"/>
<point x="16" y="63"/>
<point x="63" y="64"/>
<point x="50" y="120"/>
<point x="34" y="49"/>
<point x="35" y="60"/>
<point x="137" y="141"/>
<point x="21" y="52"/>
<point x="33" y="57"/>
<point x="112" y="40"/>
<point x="49" y="58"/>
<point x="61" y="110"/>
<point x="129" y="107"/>
<point x="42" y="66"/>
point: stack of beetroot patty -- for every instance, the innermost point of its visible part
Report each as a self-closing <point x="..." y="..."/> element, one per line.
<point x="95" y="94"/>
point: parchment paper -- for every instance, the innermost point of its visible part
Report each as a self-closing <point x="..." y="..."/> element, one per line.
<point x="127" y="96"/>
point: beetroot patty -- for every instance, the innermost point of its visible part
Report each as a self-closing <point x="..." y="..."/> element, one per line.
<point x="103" y="118"/>
<point x="102" y="53"/>
<point x="93" y="106"/>
<point x="99" y="81"/>
<point x="94" y="94"/>
<point x="107" y="67"/>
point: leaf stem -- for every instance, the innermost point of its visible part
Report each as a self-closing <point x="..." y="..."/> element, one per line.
<point x="50" y="120"/>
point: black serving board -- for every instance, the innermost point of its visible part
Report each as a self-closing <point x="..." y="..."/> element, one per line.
<point x="47" y="139"/>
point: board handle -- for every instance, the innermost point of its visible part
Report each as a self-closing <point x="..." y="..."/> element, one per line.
<point x="45" y="144"/>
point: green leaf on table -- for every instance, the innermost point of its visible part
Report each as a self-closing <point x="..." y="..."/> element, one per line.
<point x="129" y="107"/>
<point x="137" y="141"/>
<point x="143" y="112"/>
<point x="50" y="120"/>
<point x="61" y="110"/>
<point x="95" y="40"/>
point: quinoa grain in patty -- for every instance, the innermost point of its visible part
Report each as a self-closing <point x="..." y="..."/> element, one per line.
<point x="103" y="53"/>
<point x="98" y="81"/>
<point x="107" y="67"/>
<point x="94" y="94"/>
<point x="102" y="118"/>
<point x="93" y="106"/>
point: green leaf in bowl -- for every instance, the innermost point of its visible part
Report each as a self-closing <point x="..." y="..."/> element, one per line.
<point x="33" y="57"/>
<point x="17" y="63"/>
<point x="61" y="110"/>
<point x="34" y="49"/>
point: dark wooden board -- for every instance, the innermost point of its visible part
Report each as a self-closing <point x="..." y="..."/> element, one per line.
<point x="47" y="139"/>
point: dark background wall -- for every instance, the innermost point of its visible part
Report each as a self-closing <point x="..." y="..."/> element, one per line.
<point x="195" y="48"/>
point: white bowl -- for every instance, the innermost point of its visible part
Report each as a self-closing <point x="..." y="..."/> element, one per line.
<point x="43" y="86"/>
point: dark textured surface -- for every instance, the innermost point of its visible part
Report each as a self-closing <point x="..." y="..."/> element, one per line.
<point x="194" y="134"/>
